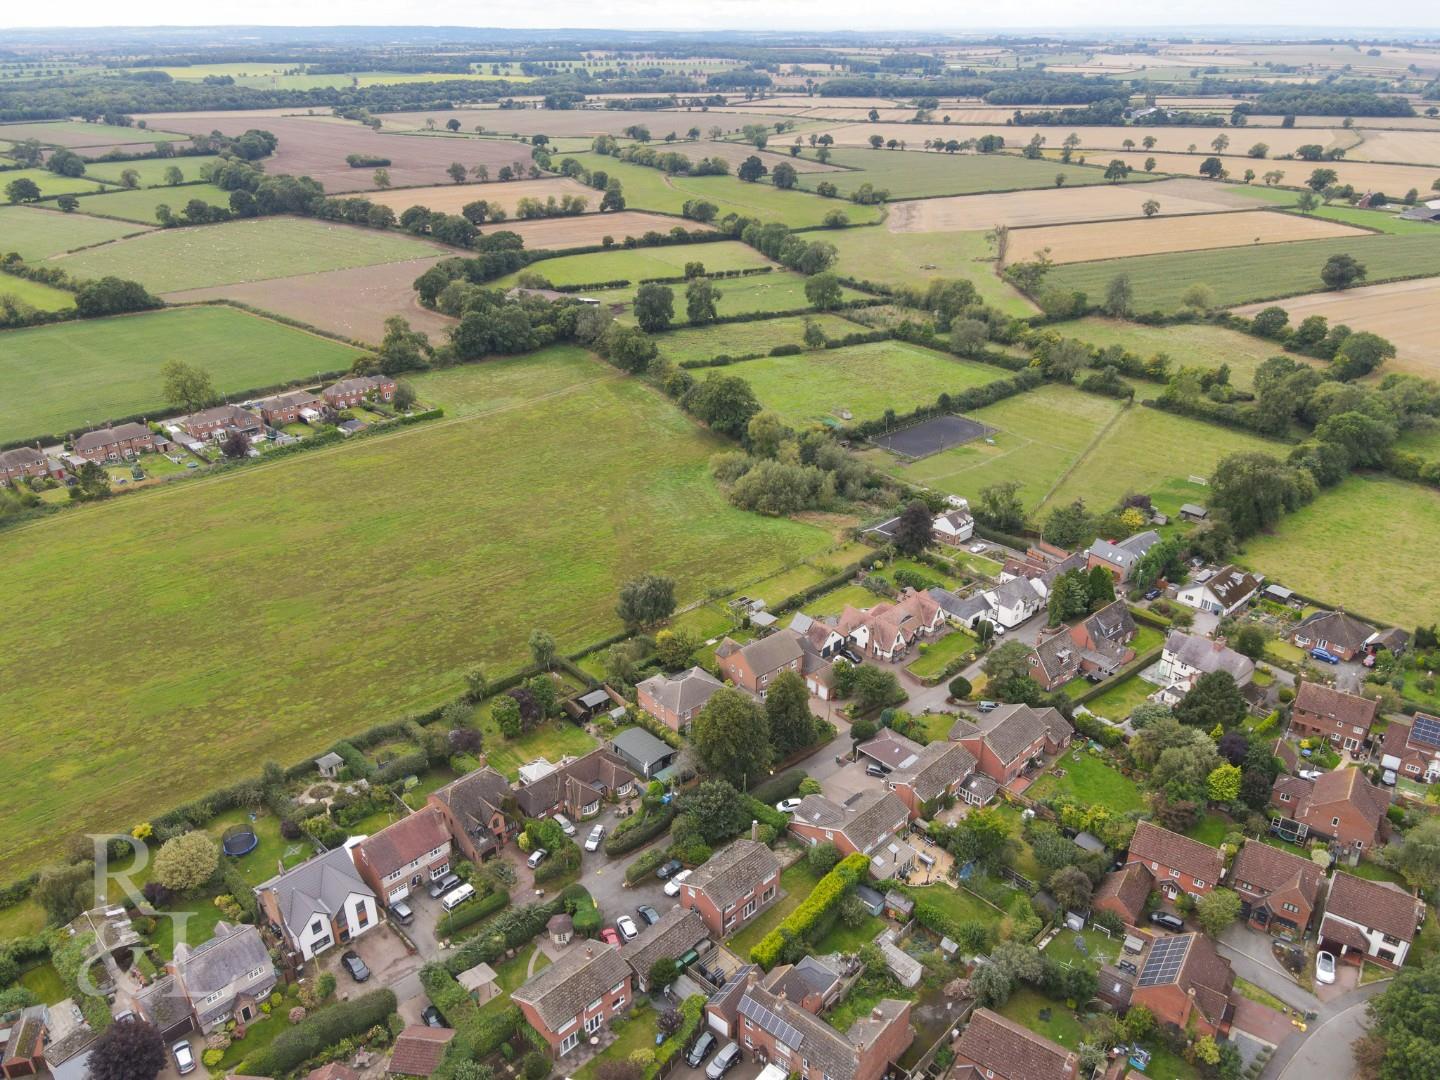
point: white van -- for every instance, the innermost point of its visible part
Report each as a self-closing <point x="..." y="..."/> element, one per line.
<point x="455" y="897"/>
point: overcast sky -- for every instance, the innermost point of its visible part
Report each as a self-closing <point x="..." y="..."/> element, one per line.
<point x="737" y="14"/>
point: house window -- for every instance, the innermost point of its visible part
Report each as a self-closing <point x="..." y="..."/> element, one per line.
<point x="1199" y="884"/>
<point x="1291" y="908"/>
<point x="749" y="909"/>
<point x="570" y="1042"/>
<point x="1334" y="821"/>
<point x="592" y="1024"/>
<point x="317" y="926"/>
<point x="768" y="895"/>
<point x="1390" y="939"/>
<point x="1284" y="796"/>
<point x="620" y="1003"/>
<point x="1175" y="873"/>
<point x="362" y="917"/>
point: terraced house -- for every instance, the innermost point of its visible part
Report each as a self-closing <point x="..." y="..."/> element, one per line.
<point x="28" y="463"/>
<point x="577" y="995"/>
<point x="733" y="886"/>
<point x="114" y="443"/>
<point x="347" y="393"/>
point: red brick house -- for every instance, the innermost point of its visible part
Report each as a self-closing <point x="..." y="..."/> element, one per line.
<point x="220" y="421"/>
<point x="348" y="393"/>
<point x="289" y="407"/>
<point x="574" y="997"/>
<point x="1341" y="717"/>
<point x="1186" y="983"/>
<point x="24" y="1053"/>
<point x="1123" y="892"/>
<point x="1122" y="558"/>
<point x="28" y="463"/>
<point x="1341" y="806"/>
<point x="1107" y="634"/>
<point x="114" y="443"/>
<point x="678" y="932"/>
<point x="938" y="772"/>
<point x="1178" y="863"/>
<point x="1334" y="631"/>
<point x="474" y="809"/>
<point x="994" y="1048"/>
<point x="1371" y="919"/>
<point x="733" y="886"/>
<point x="1413" y="749"/>
<point x="1054" y="660"/>
<point x="753" y="667"/>
<point x="405" y="856"/>
<point x="578" y="788"/>
<point x="674" y="700"/>
<point x="1009" y="739"/>
<point x="861" y="824"/>
<point x="1278" y="889"/>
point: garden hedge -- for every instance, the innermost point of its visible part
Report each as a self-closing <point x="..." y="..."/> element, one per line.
<point x="343" y="1020"/>
<point x="646" y="865"/>
<point x="779" y="787"/>
<point x="692" y="1011"/>
<point x="639" y="831"/>
<point x="823" y="899"/>
<point x="471" y="913"/>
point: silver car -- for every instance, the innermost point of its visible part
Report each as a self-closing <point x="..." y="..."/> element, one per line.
<point x="597" y="834"/>
<point x="723" y="1062"/>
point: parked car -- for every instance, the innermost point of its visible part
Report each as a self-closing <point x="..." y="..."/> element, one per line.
<point x="723" y="1062"/>
<point x="597" y="834"/>
<point x="670" y="869"/>
<point x="1311" y="774"/>
<point x="788" y="806"/>
<point x="701" y="1050"/>
<point x="1151" y="594"/>
<point x="1388" y="777"/>
<point x="988" y="706"/>
<point x="536" y="858"/>
<point x="874" y="769"/>
<point x="565" y="825"/>
<point x="1173" y="923"/>
<point x="184" y="1058"/>
<point x="443" y="885"/>
<point x="626" y="925"/>
<point x="976" y="549"/>
<point x="610" y="937"/>
<point x="432" y="1017"/>
<point x="648" y="913"/>
<point x="672" y="887"/>
<point x="1325" y="655"/>
<point x="400" y="911"/>
<point x="352" y="963"/>
<point x="1324" y="968"/>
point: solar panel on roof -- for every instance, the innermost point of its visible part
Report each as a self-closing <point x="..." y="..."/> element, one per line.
<point x="759" y="1014"/>
<point x="908" y="762"/>
<point x="1163" y="965"/>
<point x="1426" y="729"/>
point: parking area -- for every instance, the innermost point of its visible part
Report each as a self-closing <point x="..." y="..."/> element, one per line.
<point x="849" y="780"/>
<point x="747" y="1069"/>
<point x="389" y="959"/>
<point x="197" y="1047"/>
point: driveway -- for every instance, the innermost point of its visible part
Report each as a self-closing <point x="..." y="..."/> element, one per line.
<point x="746" y="1069"/>
<point x="1261" y="1021"/>
<point x="197" y="1047"/>
<point x="1328" y="1048"/>
<point x="1249" y="954"/>
<point x="849" y="780"/>
<point x="389" y="959"/>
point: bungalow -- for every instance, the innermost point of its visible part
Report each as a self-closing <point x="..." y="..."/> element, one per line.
<point x="1341" y="806"/>
<point x="1341" y="717"/>
<point x="1008" y="739"/>
<point x="861" y="824"/>
<point x="347" y="393"/>
<point x="227" y="977"/>
<point x="290" y="407"/>
<point x="574" y="997"/>
<point x="1334" y="631"/>
<point x="28" y="463"/>
<point x="642" y="752"/>
<point x="679" y="932"/>
<point x="1186" y="983"/>
<point x="1278" y="890"/>
<point x="886" y="631"/>
<point x="674" y="700"/>
<point x="1186" y="657"/>
<point x="1121" y="559"/>
<point x="412" y="852"/>
<point x="121" y="441"/>
<point x="953" y="528"/>
<point x="1123" y="892"/>
<point x="937" y="772"/>
<point x="733" y="886"/>
<point x="577" y="789"/>
<point x="1413" y="749"/>
<point x="322" y="901"/>
<point x="475" y="810"/>
<point x="1220" y="592"/>
<point x="994" y="1048"/>
<point x="753" y="667"/>
<point x="219" y="422"/>
<point x="1373" y="919"/>
<point x="1178" y="863"/>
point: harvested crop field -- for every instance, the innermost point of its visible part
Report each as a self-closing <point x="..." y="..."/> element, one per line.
<point x="1402" y="311"/>
<point x="78" y="133"/>
<point x="38" y="234"/>
<point x="452" y="198"/>
<point x="1153" y="236"/>
<point x="563" y="122"/>
<point x="1046" y="207"/>
<point x="1411" y="147"/>
<point x="353" y="303"/>
<point x="584" y="230"/>
<point x="1394" y="180"/>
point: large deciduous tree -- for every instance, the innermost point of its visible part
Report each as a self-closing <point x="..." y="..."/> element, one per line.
<point x="914" y="531"/>
<point x="186" y="862"/>
<point x="654" y="307"/>
<point x="186" y="386"/>
<point x="130" y="1049"/>
<point x="646" y="600"/>
<point x="731" y="734"/>
<point x="787" y="706"/>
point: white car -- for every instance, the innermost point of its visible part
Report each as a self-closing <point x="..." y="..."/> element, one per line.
<point x="788" y="806"/>
<point x="672" y="887"/>
<point x="1310" y="774"/>
<point x="975" y="549"/>
<point x="1324" y="968"/>
<point x="564" y="823"/>
<point x="184" y="1058"/>
<point x="626" y="925"/>
<point x="597" y="834"/>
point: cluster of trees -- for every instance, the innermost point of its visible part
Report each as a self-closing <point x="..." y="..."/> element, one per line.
<point x="671" y="162"/>
<point x="654" y="304"/>
<point x="776" y="241"/>
<point x="737" y="739"/>
<point x="1078" y="592"/>
<point x="780" y="471"/>
<point x="529" y="208"/>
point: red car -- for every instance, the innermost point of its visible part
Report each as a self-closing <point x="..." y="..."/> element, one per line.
<point x="609" y="935"/>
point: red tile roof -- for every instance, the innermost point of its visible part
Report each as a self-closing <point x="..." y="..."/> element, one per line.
<point x="1378" y="905"/>
<point x="1015" y="1052"/>
<point x="1151" y="843"/>
<point x="419" y="1050"/>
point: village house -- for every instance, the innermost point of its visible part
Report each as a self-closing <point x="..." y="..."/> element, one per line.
<point x="28" y="463"/>
<point x="347" y="393"/>
<point x="405" y="856"/>
<point x="1188" y="656"/>
<point x="674" y="700"/>
<point x="812" y="983"/>
<point x="573" y="998"/>
<point x="1178" y="863"/>
<point x="474" y="808"/>
<point x="886" y="631"/>
<point x="1007" y="740"/>
<point x="1009" y="604"/>
<point x="1222" y="593"/>
<point x="577" y="789"/>
<point x="1412" y="749"/>
<point x="953" y="528"/>
<point x="861" y="824"/>
<point x="1121" y="559"/>
<point x="938" y="772"/>
<point x="1042" y="564"/>
<point x="890" y="750"/>
<point x="1371" y="919"/>
<point x="47" y="1040"/>
<point x="321" y="902"/>
<point x="1343" y="718"/>
<point x="1107" y="634"/>
<point x="1186" y="983"/>
<point x="227" y="977"/>
<point x="680" y="932"/>
<point x="753" y="667"/>
<point x="219" y="422"/>
<point x="115" y="443"/>
<point x="1123" y="892"/>
<point x="994" y="1048"/>
<point x="732" y="886"/>
<point x="293" y="406"/>
<point x="1334" y="631"/>
<point x="1341" y="806"/>
<point x="1278" y="889"/>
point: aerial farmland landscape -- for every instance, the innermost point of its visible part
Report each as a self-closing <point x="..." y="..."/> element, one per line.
<point x="813" y="543"/>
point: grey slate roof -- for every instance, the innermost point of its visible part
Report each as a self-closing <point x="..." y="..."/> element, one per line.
<point x="1112" y="623"/>
<point x="1015" y="592"/>
<point x="475" y="797"/>
<point x="679" y="930"/>
<point x="1336" y="627"/>
<point x="939" y="765"/>
<point x="639" y="745"/>
<point x="1231" y="585"/>
<point x="958" y="608"/>
<point x="734" y="873"/>
<point x="215" y="964"/>
<point x="317" y="886"/>
<point x="892" y="749"/>
<point x="581" y="975"/>
<point x="1206" y="656"/>
<point x="1127" y="552"/>
<point x="683" y="692"/>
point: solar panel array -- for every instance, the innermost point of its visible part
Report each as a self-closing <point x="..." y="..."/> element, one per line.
<point x="759" y="1014"/>
<point x="1425" y="729"/>
<point x="1163" y="965"/>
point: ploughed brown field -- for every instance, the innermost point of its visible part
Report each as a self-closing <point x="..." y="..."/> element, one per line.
<point x="1150" y="236"/>
<point x="1017" y="209"/>
<point x="452" y="198"/>
<point x="1402" y="311"/>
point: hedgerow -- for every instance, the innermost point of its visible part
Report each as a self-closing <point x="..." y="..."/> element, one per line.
<point x="823" y="899"/>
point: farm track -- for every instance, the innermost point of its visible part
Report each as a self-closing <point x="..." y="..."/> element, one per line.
<point x="1091" y="447"/>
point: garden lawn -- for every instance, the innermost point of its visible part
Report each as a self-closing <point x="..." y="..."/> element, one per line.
<point x="636" y="264"/>
<point x="39" y="296"/>
<point x="1312" y="550"/>
<point x="1211" y="829"/>
<point x="637" y="1033"/>
<point x="796" y="881"/>
<point x="847" y="939"/>
<point x="934" y="660"/>
<point x="894" y="259"/>
<point x="258" y="1036"/>
<point x="79" y="374"/>
<point x="37" y="233"/>
<point x="1091" y="781"/>
<point x="49" y="183"/>
<point x="440" y="538"/>
<point x="1194" y="345"/>
<point x="552" y="740"/>
<point x="1063" y="1026"/>
<point x="45" y="983"/>
<point x="742" y="339"/>
<point x="911" y="174"/>
<point x="833" y="603"/>
<point x="864" y="380"/>
<point x="1120" y="699"/>
<point x="140" y="204"/>
<point x="1098" y="949"/>
<point x="256" y="249"/>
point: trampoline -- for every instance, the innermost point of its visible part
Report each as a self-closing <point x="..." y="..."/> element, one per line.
<point x="239" y="840"/>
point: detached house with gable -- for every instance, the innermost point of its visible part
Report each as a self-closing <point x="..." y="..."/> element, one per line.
<point x="675" y="700"/>
<point x="1177" y="863"/>
<point x="578" y="788"/>
<point x="474" y="808"/>
<point x="733" y="886"/>
<point x="1341" y="806"/>
<point x="1278" y="889"/>
<point x="1345" y="719"/>
<point x="1187" y="984"/>
<point x="320" y="903"/>
<point x="953" y="528"/>
<point x="1334" y="631"/>
<point x="1188" y="656"/>
<point x="574" y="997"/>
<point x="861" y="824"/>
<point x="1009" y="739"/>
<point x="405" y="856"/>
<point x="938" y="771"/>
<point x="1413" y="749"/>
<point x="1371" y="919"/>
<point x="994" y="1048"/>
<point x="1222" y="593"/>
<point x="886" y="631"/>
<point x="754" y="666"/>
<point x="1121" y="558"/>
<point x="227" y="977"/>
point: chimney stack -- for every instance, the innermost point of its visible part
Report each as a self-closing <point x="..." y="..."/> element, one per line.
<point x="754" y="829"/>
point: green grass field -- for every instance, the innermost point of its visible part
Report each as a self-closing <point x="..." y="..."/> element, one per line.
<point x="139" y="204"/>
<point x="864" y="379"/>
<point x="1313" y="550"/>
<point x="78" y="133"/>
<point x="913" y="174"/>
<point x="1374" y="219"/>
<point x="1421" y="439"/>
<point x="42" y="297"/>
<point x="40" y="233"/>
<point x="1120" y="699"/>
<point x="1193" y="345"/>
<point x="1241" y="275"/>
<point x="80" y="374"/>
<point x="634" y="264"/>
<point x="1091" y="781"/>
<point x="152" y="171"/>
<point x="650" y="189"/>
<point x="781" y="290"/>
<point x="271" y="609"/>
<point x="740" y="339"/>
<point x="51" y="183"/>
<point x="173" y="259"/>
<point x="888" y="258"/>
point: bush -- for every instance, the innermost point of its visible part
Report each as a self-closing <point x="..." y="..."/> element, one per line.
<point x="470" y="913"/>
<point x="639" y="830"/>
<point x="779" y="787"/>
<point x="960" y="687"/>
<point x="646" y="865"/>
<point x="296" y="1045"/>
